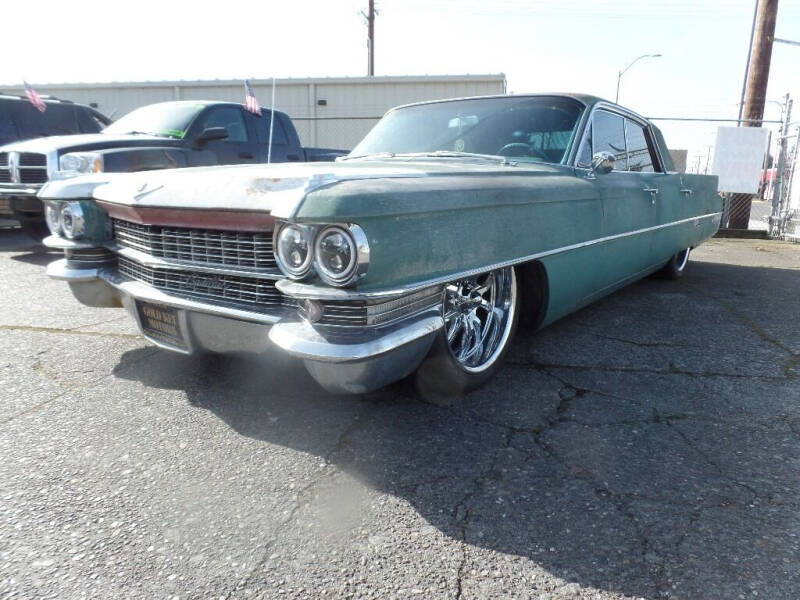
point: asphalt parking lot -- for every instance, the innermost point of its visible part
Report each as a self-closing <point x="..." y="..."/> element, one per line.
<point x="647" y="446"/>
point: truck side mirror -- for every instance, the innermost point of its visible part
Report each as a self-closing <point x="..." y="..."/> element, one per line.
<point x="603" y="162"/>
<point x="211" y="133"/>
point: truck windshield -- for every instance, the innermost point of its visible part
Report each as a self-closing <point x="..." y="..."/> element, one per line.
<point x="168" y="118"/>
<point x="526" y="128"/>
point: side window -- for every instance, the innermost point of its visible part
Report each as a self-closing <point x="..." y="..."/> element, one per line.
<point x="262" y="127"/>
<point x="640" y="154"/>
<point x="88" y="123"/>
<point x="585" y="153"/>
<point x="608" y="134"/>
<point x="230" y="118"/>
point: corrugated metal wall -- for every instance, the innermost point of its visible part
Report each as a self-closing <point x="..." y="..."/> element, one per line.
<point x="351" y="105"/>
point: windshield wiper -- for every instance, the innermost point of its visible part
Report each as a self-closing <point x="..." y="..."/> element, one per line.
<point x="369" y="155"/>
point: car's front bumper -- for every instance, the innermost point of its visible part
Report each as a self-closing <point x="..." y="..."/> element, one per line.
<point x="356" y="361"/>
<point x="18" y="200"/>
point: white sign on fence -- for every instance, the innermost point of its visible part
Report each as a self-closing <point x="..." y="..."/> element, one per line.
<point x="739" y="158"/>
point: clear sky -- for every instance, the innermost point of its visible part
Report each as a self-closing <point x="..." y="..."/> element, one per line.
<point x="541" y="45"/>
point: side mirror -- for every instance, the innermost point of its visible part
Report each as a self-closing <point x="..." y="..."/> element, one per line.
<point x="603" y="162"/>
<point x="212" y="133"/>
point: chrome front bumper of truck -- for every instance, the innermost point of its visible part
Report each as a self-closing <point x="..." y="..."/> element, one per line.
<point x="342" y="360"/>
<point x="19" y="199"/>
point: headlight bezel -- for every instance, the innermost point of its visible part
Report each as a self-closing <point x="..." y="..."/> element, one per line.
<point x="80" y="163"/>
<point x="308" y="234"/>
<point x="76" y="218"/>
<point x="359" y="262"/>
<point x="52" y="216"/>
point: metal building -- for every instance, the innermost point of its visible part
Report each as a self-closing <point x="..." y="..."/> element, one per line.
<point x="328" y="112"/>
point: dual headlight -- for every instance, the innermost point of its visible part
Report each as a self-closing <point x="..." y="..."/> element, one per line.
<point x="338" y="253"/>
<point x="79" y="163"/>
<point x="66" y="219"/>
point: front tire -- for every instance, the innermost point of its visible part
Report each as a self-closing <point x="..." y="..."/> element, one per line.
<point x="481" y="315"/>
<point x="676" y="266"/>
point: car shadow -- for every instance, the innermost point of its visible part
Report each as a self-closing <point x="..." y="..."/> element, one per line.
<point x="615" y="450"/>
<point x="27" y="250"/>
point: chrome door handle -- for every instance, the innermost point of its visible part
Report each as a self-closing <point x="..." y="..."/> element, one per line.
<point x="653" y="192"/>
<point x="687" y="191"/>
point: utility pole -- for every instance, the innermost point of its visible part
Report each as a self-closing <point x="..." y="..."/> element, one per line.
<point x="755" y="93"/>
<point x="371" y="38"/>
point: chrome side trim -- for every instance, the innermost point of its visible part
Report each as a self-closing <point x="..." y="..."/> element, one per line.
<point x="182" y="265"/>
<point x="318" y="292"/>
<point x="301" y="339"/>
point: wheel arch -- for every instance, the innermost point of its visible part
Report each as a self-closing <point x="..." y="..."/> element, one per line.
<point x="534" y="293"/>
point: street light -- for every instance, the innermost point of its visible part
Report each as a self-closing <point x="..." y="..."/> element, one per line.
<point x="621" y="73"/>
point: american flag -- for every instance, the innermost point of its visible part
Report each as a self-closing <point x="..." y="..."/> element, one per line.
<point x="250" y="102"/>
<point x="34" y="98"/>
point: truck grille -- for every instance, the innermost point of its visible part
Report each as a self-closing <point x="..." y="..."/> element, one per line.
<point x="202" y="246"/>
<point x="32" y="167"/>
<point x="250" y="293"/>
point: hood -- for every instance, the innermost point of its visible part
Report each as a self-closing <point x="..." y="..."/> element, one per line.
<point x="86" y="141"/>
<point x="279" y="188"/>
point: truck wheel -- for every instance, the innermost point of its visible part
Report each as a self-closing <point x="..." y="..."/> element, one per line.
<point x="480" y="317"/>
<point x="35" y="229"/>
<point x="676" y="266"/>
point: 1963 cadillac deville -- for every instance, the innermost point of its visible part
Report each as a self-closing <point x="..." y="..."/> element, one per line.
<point x="417" y="253"/>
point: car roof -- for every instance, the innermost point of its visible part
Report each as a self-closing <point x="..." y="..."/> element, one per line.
<point x="203" y="102"/>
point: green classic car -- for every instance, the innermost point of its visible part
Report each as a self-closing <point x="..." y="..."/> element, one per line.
<point x="418" y="253"/>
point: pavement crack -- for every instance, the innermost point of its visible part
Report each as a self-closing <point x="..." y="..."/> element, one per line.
<point x="670" y="370"/>
<point x="57" y="330"/>
<point x="635" y="342"/>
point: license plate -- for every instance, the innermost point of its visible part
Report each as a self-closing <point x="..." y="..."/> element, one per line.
<point x="161" y="323"/>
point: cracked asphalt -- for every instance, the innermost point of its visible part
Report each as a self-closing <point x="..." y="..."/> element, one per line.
<point x="646" y="447"/>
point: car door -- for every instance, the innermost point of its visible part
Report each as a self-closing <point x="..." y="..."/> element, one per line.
<point x="238" y="147"/>
<point x="627" y="199"/>
<point x="644" y="163"/>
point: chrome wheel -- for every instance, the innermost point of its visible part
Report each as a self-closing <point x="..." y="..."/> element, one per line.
<point x="478" y="316"/>
<point x="681" y="259"/>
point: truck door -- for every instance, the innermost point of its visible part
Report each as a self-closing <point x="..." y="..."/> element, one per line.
<point x="238" y="147"/>
<point x="280" y="144"/>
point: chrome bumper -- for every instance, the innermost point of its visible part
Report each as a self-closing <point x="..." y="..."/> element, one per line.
<point x="364" y="360"/>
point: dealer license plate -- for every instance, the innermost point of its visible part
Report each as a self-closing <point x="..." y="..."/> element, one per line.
<point x="161" y="323"/>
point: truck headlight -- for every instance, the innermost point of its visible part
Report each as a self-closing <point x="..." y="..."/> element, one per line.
<point x="293" y="249"/>
<point x="341" y="254"/>
<point x="73" y="221"/>
<point x="77" y="163"/>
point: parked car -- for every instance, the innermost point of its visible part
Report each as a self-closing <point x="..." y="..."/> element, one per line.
<point x="418" y="253"/>
<point x="159" y="136"/>
<point x="20" y="120"/>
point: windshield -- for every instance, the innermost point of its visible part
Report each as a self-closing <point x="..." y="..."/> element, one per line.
<point x="169" y="119"/>
<point x="526" y="128"/>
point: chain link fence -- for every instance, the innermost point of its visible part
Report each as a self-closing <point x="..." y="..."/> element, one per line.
<point x="333" y="132"/>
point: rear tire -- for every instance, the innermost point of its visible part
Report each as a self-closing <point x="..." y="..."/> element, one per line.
<point x="481" y="315"/>
<point x="676" y="266"/>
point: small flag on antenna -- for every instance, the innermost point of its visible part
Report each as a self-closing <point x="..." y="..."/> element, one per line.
<point x="250" y="101"/>
<point x="34" y="98"/>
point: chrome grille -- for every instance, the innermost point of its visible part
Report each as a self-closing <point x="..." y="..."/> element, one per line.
<point x="249" y="293"/>
<point x="5" y="175"/>
<point x="32" y="167"/>
<point x="202" y="246"/>
<point x="32" y="159"/>
<point x="32" y="175"/>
